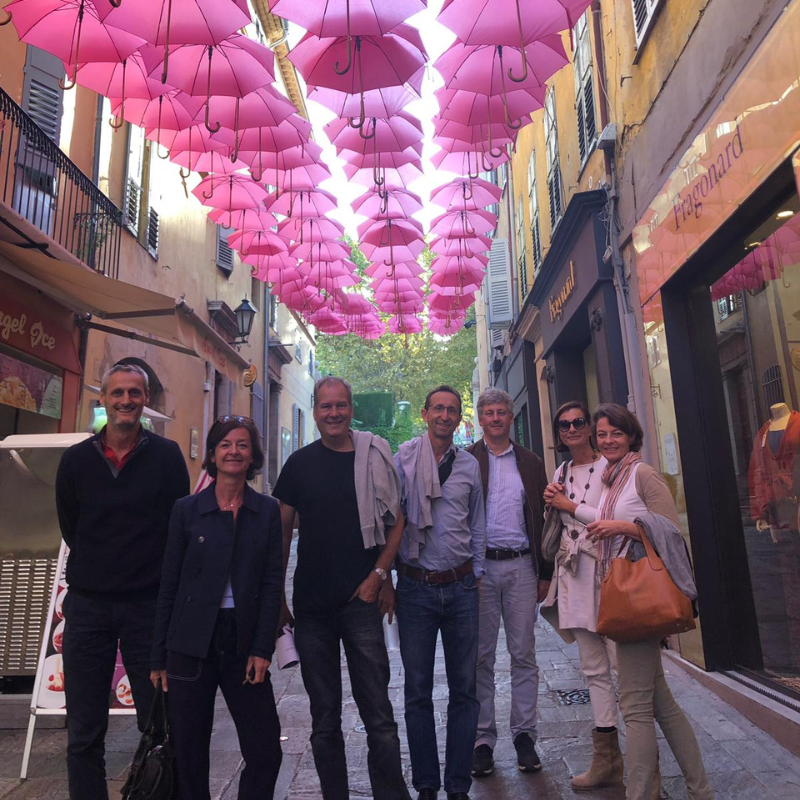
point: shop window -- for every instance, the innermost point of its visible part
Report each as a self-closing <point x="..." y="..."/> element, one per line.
<point x="224" y="256"/>
<point x="554" y="188"/>
<point x="644" y="14"/>
<point x="584" y="88"/>
<point x="533" y="210"/>
<point x="140" y="217"/>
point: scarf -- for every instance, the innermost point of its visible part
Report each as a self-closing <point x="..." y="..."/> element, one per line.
<point x="422" y="487"/>
<point x="615" y="477"/>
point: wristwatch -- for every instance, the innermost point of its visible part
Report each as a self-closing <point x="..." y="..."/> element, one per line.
<point x="381" y="572"/>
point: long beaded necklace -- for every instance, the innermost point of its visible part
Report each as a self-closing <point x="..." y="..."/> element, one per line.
<point x="573" y="533"/>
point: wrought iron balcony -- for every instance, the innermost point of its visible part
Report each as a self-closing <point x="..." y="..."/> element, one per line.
<point x="44" y="187"/>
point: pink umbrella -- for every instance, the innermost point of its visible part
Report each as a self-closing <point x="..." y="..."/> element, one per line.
<point x="323" y="277"/>
<point x="468" y="163"/>
<point x="212" y="161"/>
<point x="380" y="103"/>
<point x="461" y="247"/>
<point x="485" y="147"/>
<point x="378" y="61"/>
<point x="408" y="269"/>
<point x="309" y="176"/>
<point x="391" y="178"/>
<point x="273" y="268"/>
<point x="464" y="224"/>
<point x="446" y="326"/>
<point x="230" y="192"/>
<point x="509" y="22"/>
<point x="405" y="323"/>
<point x="471" y="108"/>
<point x="195" y="140"/>
<point x="171" y="22"/>
<point x="450" y="302"/>
<point x="313" y="252"/>
<point x="392" y="233"/>
<point x="300" y="156"/>
<point x="173" y="111"/>
<point x="464" y="194"/>
<point x="247" y="219"/>
<point x="71" y="31"/>
<point x="483" y="68"/>
<point x="326" y="18"/>
<point x="263" y="243"/>
<point x="447" y="286"/>
<point x="310" y="230"/>
<point x="397" y="133"/>
<point x="304" y="204"/>
<point x="306" y="299"/>
<point x="247" y="143"/>
<point x="262" y="107"/>
<point x="234" y="67"/>
<point x="381" y="222"/>
<point x="458" y="267"/>
<point x="391" y="204"/>
<point x="327" y="321"/>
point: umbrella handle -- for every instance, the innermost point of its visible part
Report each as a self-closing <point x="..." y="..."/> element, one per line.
<point x="112" y="121"/>
<point x="166" y="42"/>
<point x="362" y="115"/>
<point x="384" y="207"/>
<point x="209" y="127"/>
<point x="469" y="168"/>
<point x="364" y="127"/>
<point x="524" y="76"/>
<point x="116" y="3"/>
<point x="468" y="228"/>
<point x="349" y="48"/>
<point x="467" y="194"/>
<point x="386" y="242"/>
<point x="183" y="175"/>
<point x="163" y="158"/>
<point x="291" y="205"/>
<point x="9" y="15"/>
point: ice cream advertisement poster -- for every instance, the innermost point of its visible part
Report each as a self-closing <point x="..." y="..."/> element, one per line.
<point x="29" y="387"/>
<point x="48" y="695"/>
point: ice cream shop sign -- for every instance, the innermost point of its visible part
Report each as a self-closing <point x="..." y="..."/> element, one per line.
<point x="38" y="337"/>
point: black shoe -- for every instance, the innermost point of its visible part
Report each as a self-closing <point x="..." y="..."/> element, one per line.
<point x="427" y="794"/>
<point x="527" y="758"/>
<point x="482" y="761"/>
<point x="457" y="796"/>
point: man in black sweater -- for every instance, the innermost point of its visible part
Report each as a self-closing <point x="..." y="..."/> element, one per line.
<point x="114" y="494"/>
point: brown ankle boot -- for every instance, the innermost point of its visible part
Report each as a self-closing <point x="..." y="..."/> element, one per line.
<point x="606" y="768"/>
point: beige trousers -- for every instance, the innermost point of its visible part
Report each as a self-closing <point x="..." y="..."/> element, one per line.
<point x="598" y="663"/>
<point x="643" y="697"/>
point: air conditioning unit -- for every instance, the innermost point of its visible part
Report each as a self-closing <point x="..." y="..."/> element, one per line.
<point x="498" y="286"/>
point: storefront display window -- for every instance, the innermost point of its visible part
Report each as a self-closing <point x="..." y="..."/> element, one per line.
<point x="30" y="395"/>
<point x="757" y="321"/>
<point x="691" y="646"/>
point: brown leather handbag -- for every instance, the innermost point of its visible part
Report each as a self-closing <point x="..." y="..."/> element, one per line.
<point x="639" y="601"/>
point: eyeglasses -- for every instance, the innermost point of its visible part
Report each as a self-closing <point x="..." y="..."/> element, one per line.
<point x="579" y="423"/>
<point x="439" y="409"/>
<point x="235" y="418"/>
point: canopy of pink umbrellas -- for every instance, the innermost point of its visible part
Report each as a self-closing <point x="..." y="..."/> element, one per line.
<point x="181" y="70"/>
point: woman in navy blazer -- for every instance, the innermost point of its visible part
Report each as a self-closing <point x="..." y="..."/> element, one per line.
<point x="217" y="615"/>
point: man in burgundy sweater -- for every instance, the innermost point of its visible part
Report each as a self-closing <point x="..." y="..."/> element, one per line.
<point x="114" y="495"/>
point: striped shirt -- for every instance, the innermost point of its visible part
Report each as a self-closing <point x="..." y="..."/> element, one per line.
<point x="505" y="503"/>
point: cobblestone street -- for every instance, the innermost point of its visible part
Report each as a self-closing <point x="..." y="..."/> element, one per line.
<point x="742" y="761"/>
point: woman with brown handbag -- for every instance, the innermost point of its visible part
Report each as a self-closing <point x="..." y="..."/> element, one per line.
<point x="575" y="493"/>
<point x="632" y="489"/>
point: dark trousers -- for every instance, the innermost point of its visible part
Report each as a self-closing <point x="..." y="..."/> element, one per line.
<point x="93" y="627"/>
<point x="422" y="613"/>
<point x="357" y="626"/>
<point x="192" y="687"/>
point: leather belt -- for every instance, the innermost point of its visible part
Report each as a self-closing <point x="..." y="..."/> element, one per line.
<point x="500" y="554"/>
<point x="435" y="578"/>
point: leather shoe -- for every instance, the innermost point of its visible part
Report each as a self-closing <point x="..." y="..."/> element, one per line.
<point x="427" y="794"/>
<point x="457" y="796"/>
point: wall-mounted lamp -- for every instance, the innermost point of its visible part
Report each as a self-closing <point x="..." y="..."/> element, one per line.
<point x="245" y="314"/>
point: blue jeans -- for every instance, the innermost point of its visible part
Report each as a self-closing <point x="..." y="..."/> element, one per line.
<point x="422" y="612"/>
<point x="318" y="639"/>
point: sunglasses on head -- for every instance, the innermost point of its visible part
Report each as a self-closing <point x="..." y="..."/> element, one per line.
<point x="235" y="418"/>
<point x="579" y="423"/>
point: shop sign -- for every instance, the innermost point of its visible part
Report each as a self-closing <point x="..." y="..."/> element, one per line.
<point x="29" y="388"/>
<point x="754" y="129"/>
<point x="33" y="332"/>
<point x="558" y="301"/>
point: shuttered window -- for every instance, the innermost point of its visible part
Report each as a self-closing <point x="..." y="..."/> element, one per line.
<point x="533" y="213"/>
<point x="584" y="88"/>
<point x="42" y="97"/>
<point x="553" y="164"/>
<point x="498" y="285"/>
<point x="644" y="13"/>
<point x="224" y="255"/>
<point x="522" y="251"/>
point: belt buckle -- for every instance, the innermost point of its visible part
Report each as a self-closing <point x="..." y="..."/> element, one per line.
<point x="426" y="579"/>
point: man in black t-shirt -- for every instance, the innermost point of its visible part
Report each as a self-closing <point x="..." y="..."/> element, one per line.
<point x="336" y="598"/>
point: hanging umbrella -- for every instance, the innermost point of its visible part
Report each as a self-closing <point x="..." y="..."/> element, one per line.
<point x="489" y="146"/>
<point x="327" y="321"/>
<point x="303" y="204"/>
<point x="212" y="161"/>
<point x="468" y="162"/>
<point x="263" y="243"/>
<point x="462" y="246"/>
<point x="230" y="193"/>
<point x="322" y="276"/>
<point x="383" y="236"/>
<point x="391" y="204"/>
<point x="309" y="176"/>
<point x="450" y="286"/>
<point x="379" y="223"/>
<point x="246" y="219"/>
<point x="450" y="302"/>
<point x="310" y="230"/>
<point x="234" y="67"/>
<point x="377" y="61"/>
<point x="247" y="143"/>
<point x="280" y="267"/>
<point x="397" y="133"/>
<point x="461" y="224"/>
<point x="405" y="323"/>
<point x="174" y="110"/>
<point x="446" y="326"/>
<point x="471" y="108"/>
<point x="320" y="251"/>
<point x="509" y="22"/>
<point x="326" y="18"/>
<point x="305" y="299"/>
<point x="464" y="194"/>
<point x="406" y="269"/>
<point x="381" y="103"/>
<point x="71" y="31"/>
<point x="260" y="108"/>
<point x="398" y="177"/>
<point x="277" y="162"/>
<point x="457" y="265"/>
<point x="176" y="22"/>
<point x="195" y="140"/>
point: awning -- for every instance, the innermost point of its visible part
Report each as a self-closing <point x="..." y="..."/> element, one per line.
<point x="166" y="322"/>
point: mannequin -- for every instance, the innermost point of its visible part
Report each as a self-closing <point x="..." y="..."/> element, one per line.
<point x="773" y="500"/>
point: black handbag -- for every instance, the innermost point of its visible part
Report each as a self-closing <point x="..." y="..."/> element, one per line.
<point x="153" y="773"/>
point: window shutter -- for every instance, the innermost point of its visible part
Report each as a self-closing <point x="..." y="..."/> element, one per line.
<point x="152" y="232"/>
<point x="554" y="190"/>
<point x="588" y="107"/>
<point x="643" y="13"/>
<point x="581" y="126"/>
<point x="498" y="283"/>
<point x="536" y="236"/>
<point x="42" y="97"/>
<point x="295" y="427"/>
<point x="224" y="254"/>
<point x="135" y="179"/>
<point x="133" y="205"/>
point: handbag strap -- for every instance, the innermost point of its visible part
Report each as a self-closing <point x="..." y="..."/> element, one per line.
<point x="655" y="560"/>
<point x="159" y="703"/>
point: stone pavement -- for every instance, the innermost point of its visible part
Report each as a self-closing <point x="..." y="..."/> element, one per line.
<point x="743" y="762"/>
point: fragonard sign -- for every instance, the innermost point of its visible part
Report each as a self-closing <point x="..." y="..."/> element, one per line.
<point x="557" y="302"/>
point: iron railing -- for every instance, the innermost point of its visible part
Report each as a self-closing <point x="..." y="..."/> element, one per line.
<point x="44" y="187"/>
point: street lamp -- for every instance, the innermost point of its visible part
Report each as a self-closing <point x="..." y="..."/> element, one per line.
<point x="245" y="314"/>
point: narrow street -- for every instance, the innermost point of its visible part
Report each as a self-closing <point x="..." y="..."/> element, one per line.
<point x="743" y="762"/>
